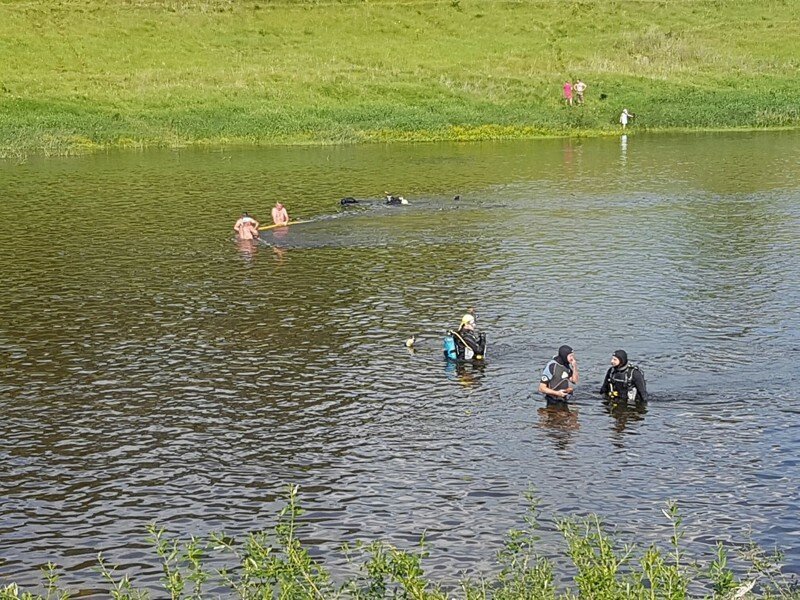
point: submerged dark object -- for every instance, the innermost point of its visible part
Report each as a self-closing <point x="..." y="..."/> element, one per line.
<point x="348" y="200"/>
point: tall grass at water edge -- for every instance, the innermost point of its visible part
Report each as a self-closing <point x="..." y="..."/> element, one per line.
<point x="277" y="565"/>
<point x="79" y="75"/>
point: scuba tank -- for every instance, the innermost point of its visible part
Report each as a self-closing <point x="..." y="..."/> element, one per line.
<point x="449" y="346"/>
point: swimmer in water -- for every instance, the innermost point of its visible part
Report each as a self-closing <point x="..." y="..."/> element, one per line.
<point x="246" y="227"/>
<point x="394" y="200"/>
<point x="279" y="214"/>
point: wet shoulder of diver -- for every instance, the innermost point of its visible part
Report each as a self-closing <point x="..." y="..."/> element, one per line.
<point x="624" y="383"/>
<point x="465" y="343"/>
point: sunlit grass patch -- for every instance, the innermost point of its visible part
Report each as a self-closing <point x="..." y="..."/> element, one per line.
<point x="171" y="72"/>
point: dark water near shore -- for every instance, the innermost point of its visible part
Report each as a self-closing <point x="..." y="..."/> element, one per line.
<point x="151" y="369"/>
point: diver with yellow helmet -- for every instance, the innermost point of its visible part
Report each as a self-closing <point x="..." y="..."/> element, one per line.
<point x="465" y="343"/>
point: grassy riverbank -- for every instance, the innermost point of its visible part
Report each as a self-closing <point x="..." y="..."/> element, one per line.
<point x="278" y="565"/>
<point x="78" y="75"/>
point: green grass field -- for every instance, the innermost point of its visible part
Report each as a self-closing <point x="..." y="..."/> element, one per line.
<point x="78" y="75"/>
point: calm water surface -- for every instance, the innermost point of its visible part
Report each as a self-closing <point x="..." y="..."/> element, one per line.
<point x="151" y="369"/>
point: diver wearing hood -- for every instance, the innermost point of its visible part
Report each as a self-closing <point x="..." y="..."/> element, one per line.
<point x="557" y="376"/>
<point x="394" y="200"/>
<point x="624" y="382"/>
<point x="465" y="343"/>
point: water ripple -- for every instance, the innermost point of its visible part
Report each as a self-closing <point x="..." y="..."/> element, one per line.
<point x="153" y="370"/>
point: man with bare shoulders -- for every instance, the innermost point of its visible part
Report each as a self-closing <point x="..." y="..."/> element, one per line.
<point x="246" y="227"/>
<point x="279" y="214"/>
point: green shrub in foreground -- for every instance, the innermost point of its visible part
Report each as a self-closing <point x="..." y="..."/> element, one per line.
<point x="276" y="565"/>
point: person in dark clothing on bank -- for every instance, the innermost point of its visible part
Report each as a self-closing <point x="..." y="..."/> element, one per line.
<point x="624" y="382"/>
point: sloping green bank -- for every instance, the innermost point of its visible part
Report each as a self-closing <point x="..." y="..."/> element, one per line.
<point x="88" y="74"/>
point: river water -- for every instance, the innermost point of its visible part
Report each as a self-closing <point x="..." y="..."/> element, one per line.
<point x="152" y="369"/>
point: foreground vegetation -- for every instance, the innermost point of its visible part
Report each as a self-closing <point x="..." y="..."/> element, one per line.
<point x="278" y="566"/>
<point x="78" y="75"/>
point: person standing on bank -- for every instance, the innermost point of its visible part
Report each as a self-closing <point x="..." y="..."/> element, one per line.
<point x="624" y="117"/>
<point x="624" y="382"/>
<point x="579" y="88"/>
<point x="568" y="93"/>
<point x="557" y="376"/>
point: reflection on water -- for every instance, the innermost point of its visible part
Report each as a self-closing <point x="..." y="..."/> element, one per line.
<point x="626" y="417"/>
<point x="466" y="374"/>
<point x="185" y="379"/>
<point x="247" y="249"/>
<point x="623" y="148"/>
<point x="560" y="421"/>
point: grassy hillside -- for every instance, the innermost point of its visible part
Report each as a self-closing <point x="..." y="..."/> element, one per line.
<point x="83" y="74"/>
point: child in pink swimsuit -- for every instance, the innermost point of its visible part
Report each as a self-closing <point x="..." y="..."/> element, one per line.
<point x="568" y="93"/>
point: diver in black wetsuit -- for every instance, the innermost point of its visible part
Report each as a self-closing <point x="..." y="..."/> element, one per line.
<point x="624" y="382"/>
<point x="469" y="344"/>
<point x="393" y="200"/>
<point x="558" y="375"/>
